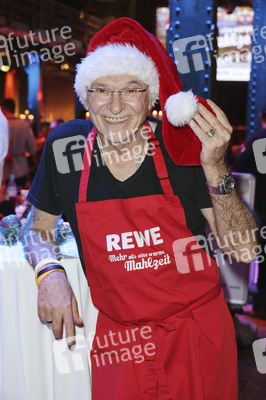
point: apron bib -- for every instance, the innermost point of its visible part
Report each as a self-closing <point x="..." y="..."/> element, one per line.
<point x="146" y="269"/>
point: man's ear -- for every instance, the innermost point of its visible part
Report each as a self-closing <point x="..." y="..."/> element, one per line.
<point x="86" y="106"/>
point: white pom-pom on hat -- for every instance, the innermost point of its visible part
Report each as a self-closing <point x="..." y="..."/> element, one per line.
<point x="181" y="107"/>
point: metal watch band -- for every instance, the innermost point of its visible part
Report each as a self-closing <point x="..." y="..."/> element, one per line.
<point x="214" y="189"/>
<point x="220" y="189"/>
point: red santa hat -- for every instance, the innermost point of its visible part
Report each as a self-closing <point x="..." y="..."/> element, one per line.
<point x="124" y="47"/>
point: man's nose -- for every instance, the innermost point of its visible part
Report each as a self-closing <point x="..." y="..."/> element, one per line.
<point x="116" y="103"/>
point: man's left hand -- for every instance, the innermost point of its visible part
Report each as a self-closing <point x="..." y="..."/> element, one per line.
<point x="213" y="148"/>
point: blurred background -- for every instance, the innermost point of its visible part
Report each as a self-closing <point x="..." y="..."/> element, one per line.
<point x="40" y="77"/>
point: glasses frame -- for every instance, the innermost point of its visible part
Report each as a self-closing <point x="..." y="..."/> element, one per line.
<point x="111" y="92"/>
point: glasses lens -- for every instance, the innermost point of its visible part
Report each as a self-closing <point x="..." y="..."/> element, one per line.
<point x="131" y="94"/>
<point x="100" y="94"/>
<point x="126" y="94"/>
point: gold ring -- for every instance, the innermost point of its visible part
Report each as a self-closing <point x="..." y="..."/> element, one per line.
<point x="211" y="132"/>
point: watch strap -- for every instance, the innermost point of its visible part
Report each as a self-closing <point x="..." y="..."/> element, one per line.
<point x="220" y="188"/>
<point x="214" y="189"/>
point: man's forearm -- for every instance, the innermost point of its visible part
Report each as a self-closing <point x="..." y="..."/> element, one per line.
<point x="39" y="243"/>
<point x="230" y="216"/>
<point x="236" y="229"/>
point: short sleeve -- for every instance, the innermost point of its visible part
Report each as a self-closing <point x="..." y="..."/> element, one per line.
<point x="200" y="189"/>
<point x="44" y="190"/>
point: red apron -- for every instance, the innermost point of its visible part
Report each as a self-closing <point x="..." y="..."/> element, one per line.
<point x="164" y="330"/>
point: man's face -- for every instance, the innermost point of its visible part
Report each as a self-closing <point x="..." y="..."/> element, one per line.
<point x="116" y="118"/>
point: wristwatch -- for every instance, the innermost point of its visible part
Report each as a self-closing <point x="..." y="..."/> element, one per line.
<point x="225" y="187"/>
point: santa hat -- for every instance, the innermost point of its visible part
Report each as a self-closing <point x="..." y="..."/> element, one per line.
<point x="124" y="47"/>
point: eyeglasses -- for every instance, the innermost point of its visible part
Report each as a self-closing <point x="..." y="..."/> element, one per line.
<point x="126" y="94"/>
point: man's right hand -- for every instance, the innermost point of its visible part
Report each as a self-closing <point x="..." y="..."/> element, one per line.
<point x="57" y="303"/>
<point x="56" y="300"/>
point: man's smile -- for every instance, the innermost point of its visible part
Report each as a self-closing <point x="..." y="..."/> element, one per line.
<point x="113" y="120"/>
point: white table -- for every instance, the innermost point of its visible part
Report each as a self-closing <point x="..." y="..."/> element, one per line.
<point x="33" y="365"/>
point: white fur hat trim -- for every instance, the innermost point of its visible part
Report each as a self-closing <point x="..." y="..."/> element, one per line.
<point x="181" y="107"/>
<point x="115" y="60"/>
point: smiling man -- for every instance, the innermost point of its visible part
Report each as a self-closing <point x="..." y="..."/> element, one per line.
<point x="136" y="217"/>
<point x="118" y="106"/>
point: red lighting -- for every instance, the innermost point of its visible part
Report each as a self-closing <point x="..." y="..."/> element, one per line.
<point x="39" y="95"/>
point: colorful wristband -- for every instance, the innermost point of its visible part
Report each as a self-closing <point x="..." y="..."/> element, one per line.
<point x="51" y="267"/>
<point x="43" y="263"/>
<point x="44" y="275"/>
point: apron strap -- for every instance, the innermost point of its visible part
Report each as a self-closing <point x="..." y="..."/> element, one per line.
<point x="159" y="162"/>
<point x="86" y="167"/>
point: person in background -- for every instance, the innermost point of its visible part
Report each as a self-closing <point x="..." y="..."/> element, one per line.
<point x="6" y="207"/>
<point x="56" y="122"/>
<point x="247" y="163"/>
<point x="42" y="136"/>
<point x="21" y="141"/>
<point x="4" y="139"/>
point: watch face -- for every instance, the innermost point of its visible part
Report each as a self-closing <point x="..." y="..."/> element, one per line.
<point x="229" y="184"/>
